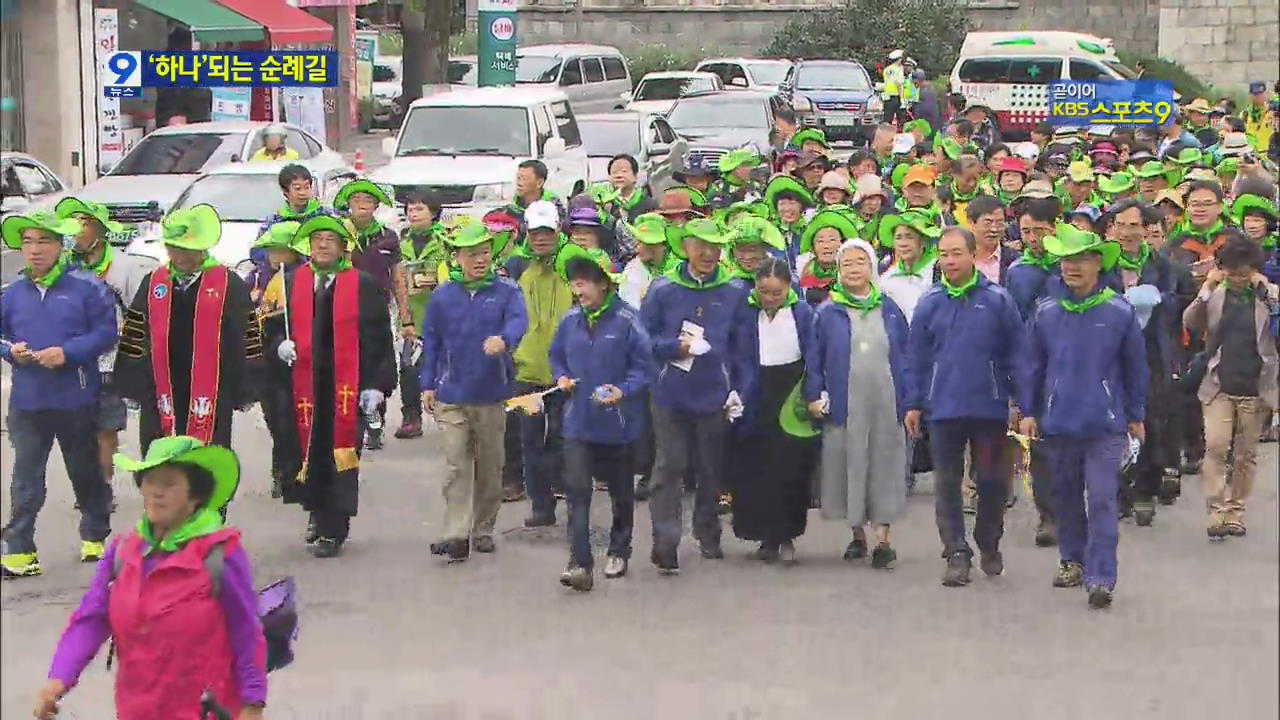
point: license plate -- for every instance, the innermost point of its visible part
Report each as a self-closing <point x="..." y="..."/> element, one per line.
<point x="841" y="121"/>
<point x="124" y="237"/>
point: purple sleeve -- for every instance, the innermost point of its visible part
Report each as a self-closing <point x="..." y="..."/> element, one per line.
<point x="88" y="628"/>
<point x="239" y="604"/>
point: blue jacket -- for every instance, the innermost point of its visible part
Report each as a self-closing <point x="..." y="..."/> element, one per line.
<point x="803" y="313"/>
<point x="78" y="314"/>
<point x="723" y="313"/>
<point x="615" y="352"/>
<point x="1086" y="373"/>
<point x="827" y="364"/>
<point x="454" y="329"/>
<point x="964" y="353"/>
<point x="1026" y="284"/>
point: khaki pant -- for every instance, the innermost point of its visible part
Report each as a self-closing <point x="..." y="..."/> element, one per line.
<point x="1231" y="425"/>
<point x="474" y="452"/>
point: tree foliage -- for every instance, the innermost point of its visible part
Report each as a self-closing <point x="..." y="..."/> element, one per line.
<point x="931" y="31"/>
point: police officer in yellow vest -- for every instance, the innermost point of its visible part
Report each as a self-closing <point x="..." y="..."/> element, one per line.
<point x="895" y="79"/>
<point x="910" y="91"/>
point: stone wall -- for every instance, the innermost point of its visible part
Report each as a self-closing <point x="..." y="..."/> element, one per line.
<point x="1230" y="42"/>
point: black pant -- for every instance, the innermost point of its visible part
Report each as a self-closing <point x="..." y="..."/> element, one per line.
<point x="641" y="452"/>
<point x="608" y="464"/>
<point x="513" y="467"/>
<point x="410" y="395"/>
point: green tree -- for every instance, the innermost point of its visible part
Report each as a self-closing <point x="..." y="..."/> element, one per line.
<point x="930" y="31"/>
<point x="425" y="26"/>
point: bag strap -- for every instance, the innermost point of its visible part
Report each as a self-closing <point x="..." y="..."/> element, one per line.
<point x="213" y="564"/>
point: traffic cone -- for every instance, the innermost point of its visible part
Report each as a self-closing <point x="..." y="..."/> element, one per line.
<point x="358" y="163"/>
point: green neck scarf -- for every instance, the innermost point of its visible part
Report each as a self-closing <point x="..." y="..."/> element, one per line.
<point x="626" y="203"/>
<point x="792" y="298"/>
<point x="287" y="213"/>
<point x="1088" y="303"/>
<point x="593" y="316"/>
<point x="917" y="268"/>
<point x="1135" y="264"/>
<point x="52" y="276"/>
<point x="344" y="263"/>
<point x="364" y="234"/>
<point x="180" y="277"/>
<point x="677" y="276"/>
<point x="1043" y="260"/>
<point x="963" y="197"/>
<point x="455" y="275"/>
<point x="873" y="300"/>
<point x="1269" y="242"/>
<point x="736" y="270"/>
<point x="99" y="268"/>
<point x="205" y="521"/>
<point x="669" y="263"/>
<point x="1244" y="295"/>
<point x="1204" y="236"/>
<point x="961" y="291"/>
<point x="825" y="274"/>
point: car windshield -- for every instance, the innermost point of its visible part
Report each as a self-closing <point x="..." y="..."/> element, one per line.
<point x="179" y="153"/>
<point x="1122" y="69"/>
<point x="831" y="77"/>
<point x="720" y="112"/>
<point x="604" y="138"/>
<point x="238" y="197"/>
<point x="465" y="131"/>
<point x="537" y="68"/>
<point x="462" y="72"/>
<point x="670" y="88"/>
<point x="768" y="73"/>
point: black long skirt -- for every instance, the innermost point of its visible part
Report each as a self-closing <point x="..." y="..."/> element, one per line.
<point x="771" y="469"/>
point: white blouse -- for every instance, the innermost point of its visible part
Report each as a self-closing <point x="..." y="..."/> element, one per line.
<point x="779" y="340"/>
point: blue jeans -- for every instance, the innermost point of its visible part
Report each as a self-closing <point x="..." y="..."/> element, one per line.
<point x="540" y="449"/>
<point x="989" y="463"/>
<point x="1086" y="477"/>
<point x="607" y="463"/>
<point x="32" y="433"/>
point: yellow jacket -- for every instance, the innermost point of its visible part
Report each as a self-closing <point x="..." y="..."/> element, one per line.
<point x="262" y="156"/>
<point x="1259" y="127"/>
<point x="894" y="77"/>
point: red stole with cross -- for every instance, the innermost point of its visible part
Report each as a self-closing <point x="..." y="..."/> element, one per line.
<point x="346" y="363"/>
<point x="206" y="349"/>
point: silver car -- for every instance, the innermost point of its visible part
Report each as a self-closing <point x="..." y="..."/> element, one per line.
<point x="645" y="136"/>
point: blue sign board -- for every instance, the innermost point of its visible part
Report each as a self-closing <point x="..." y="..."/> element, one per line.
<point x="1111" y="102"/>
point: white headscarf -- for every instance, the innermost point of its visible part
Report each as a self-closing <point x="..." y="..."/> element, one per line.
<point x="864" y="246"/>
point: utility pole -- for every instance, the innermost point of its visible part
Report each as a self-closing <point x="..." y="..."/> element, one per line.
<point x="579" y="20"/>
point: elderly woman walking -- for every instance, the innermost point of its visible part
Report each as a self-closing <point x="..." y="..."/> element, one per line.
<point x="857" y="381"/>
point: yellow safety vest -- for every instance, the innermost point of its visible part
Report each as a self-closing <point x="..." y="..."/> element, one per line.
<point x="1259" y="128"/>
<point x="910" y="93"/>
<point x="262" y="156"/>
<point x="894" y="77"/>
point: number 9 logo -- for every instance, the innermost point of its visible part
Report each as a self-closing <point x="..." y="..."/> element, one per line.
<point x="123" y="70"/>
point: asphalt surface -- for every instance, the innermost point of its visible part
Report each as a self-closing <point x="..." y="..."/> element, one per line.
<point x="390" y="632"/>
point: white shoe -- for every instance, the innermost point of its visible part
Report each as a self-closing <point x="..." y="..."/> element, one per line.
<point x="615" y="567"/>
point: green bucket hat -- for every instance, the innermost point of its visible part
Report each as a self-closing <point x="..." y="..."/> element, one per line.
<point x="919" y="124"/>
<point x="279" y="235"/>
<point x="793" y="416"/>
<point x="827" y="219"/>
<point x="470" y="235"/>
<point x="915" y="220"/>
<point x="195" y="228"/>
<point x="1188" y="156"/>
<point x="757" y="208"/>
<point x="68" y="207"/>
<point x="342" y="200"/>
<point x="1068" y="240"/>
<point x="1246" y="204"/>
<point x="1151" y="169"/>
<point x="899" y="174"/>
<point x="735" y="159"/>
<point x="951" y="148"/>
<point x="751" y="229"/>
<point x="570" y="252"/>
<point x="696" y="197"/>
<point x="649" y="228"/>
<point x="1115" y="183"/>
<point x="603" y="193"/>
<point x="814" y="134"/>
<point x="786" y="184"/>
<point x="1229" y="165"/>
<point x="221" y="463"/>
<point x="705" y="229"/>
<point x="43" y="220"/>
<point x="302" y="237"/>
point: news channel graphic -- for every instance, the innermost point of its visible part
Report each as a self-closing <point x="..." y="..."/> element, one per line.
<point x="125" y="73"/>
<point x="1111" y="102"/>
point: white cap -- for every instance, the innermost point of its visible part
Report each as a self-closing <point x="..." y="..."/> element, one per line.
<point x="895" y="54"/>
<point x="902" y="143"/>
<point x="542" y="214"/>
<point x="275" y="129"/>
<point x="1027" y="151"/>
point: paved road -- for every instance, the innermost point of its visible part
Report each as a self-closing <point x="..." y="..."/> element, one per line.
<point x="390" y="632"/>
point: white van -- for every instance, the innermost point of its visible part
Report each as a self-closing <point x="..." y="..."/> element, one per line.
<point x="592" y="76"/>
<point x="466" y="144"/>
<point x="1009" y="71"/>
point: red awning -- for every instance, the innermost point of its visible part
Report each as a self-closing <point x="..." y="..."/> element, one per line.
<point x="285" y="25"/>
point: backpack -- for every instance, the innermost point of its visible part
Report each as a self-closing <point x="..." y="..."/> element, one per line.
<point x="277" y="608"/>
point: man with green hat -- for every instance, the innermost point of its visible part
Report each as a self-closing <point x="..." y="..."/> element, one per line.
<point x="471" y="326"/>
<point x="1151" y="180"/>
<point x="1116" y="187"/>
<point x="191" y="349"/>
<point x="376" y="251"/>
<point x="810" y="140"/>
<point x="332" y="341"/>
<point x="1078" y="187"/>
<point x="298" y="186"/>
<point x="735" y="183"/>
<point x="123" y="273"/>
<point x="54" y="349"/>
<point x="1259" y="218"/>
<point x="789" y="200"/>
<point x="1085" y="394"/>
<point x="700" y="327"/>
<point x="422" y="250"/>
<point x="754" y="239"/>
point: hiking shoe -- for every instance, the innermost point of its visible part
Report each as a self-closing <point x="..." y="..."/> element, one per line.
<point x="767" y="552"/>
<point x="1191" y="467"/>
<point x="787" y="553"/>
<point x="566" y="574"/>
<point x="1070" y="574"/>
<point x="540" y="520"/>
<point x="484" y="544"/>
<point x="1235" y="529"/>
<point x="19" y="565"/>
<point x="1170" y="488"/>
<point x="667" y="563"/>
<point x="615" y="567"/>
<point x="1218" y="531"/>
<point x="1046" y="535"/>
<point x="856" y="549"/>
<point x="91" y="551"/>
<point x="642" y="489"/>
<point x="440" y="547"/>
<point x="992" y="564"/>
<point x="581" y="579"/>
<point x="1144" y="513"/>
<point x="883" y="556"/>
<point x="710" y="551"/>
<point x="513" y="493"/>
<point x="311" y="534"/>
<point x="326" y="548"/>
<point x="409" y="430"/>
<point x="725" y="506"/>
<point x="1099" y="597"/>
<point x="957" y="573"/>
<point x="459" y="550"/>
<point x="373" y="439"/>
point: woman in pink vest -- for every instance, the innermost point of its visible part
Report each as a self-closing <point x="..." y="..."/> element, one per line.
<point x="182" y="621"/>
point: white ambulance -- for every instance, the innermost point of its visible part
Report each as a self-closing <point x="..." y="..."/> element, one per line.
<point x="1008" y="72"/>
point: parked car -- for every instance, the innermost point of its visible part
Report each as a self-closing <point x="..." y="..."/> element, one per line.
<point x="753" y="73"/>
<point x="717" y="122"/>
<point x="245" y="195"/>
<point x="466" y="145"/>
<point x="658" y="91"/>
<point x="592" y="76"/>
<point x="645" y="136"/>
<point x="836" y="96"/>
<point x="388" y="84"/>
<point x="25" y="180"/>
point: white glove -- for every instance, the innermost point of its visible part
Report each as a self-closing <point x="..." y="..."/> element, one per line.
<point x="370" y="400"/>
<point x="733" y="407"/>
<point x="1144" y="299"/>
<point x="699" y="346"/>
<point x="288" y="352"/>
<point x="825" y="399"/>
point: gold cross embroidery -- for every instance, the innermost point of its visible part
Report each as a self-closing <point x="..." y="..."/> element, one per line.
<point x="305" y="408"/>
<point x="345" y="393"/>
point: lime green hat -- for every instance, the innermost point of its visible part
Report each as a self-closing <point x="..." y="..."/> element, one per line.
<point x="1067" y="240"/>
<point x="195" y="228"/>
<point x="919" y="124"/>
<point x="649" y="228"/>
<point x="751" y="229"/>
<point x="898" y="175"/>
<point x="603" y="193"/>
<point x="735" y="159"/>
<point x="1231" y="165"/>
<point x="1247" y="203"/>
<point x="798" y="140"/>
<point x="786" y="184"/>
<point x="571" y="252"/>
<point x="705" y="229"/>
<point x="302" y="236"/>
<point x="913" y="219"/>
<point x="1151" y="169"/>
<point x="758" y="208"/>
<point x="951" y="148"/>
<point x="1116" y="183"/>
<point x="43" y="220"/>
<point x="1188" y="156"/>
<point x="220" y="462"/>
<point x="68" y="207"/>
<point x="279" y="235"/>
<point x="470" y="235"/>
<point x="793" y="416"/>
<point x="827" y="219"/>
<point x="342" y="200"/>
